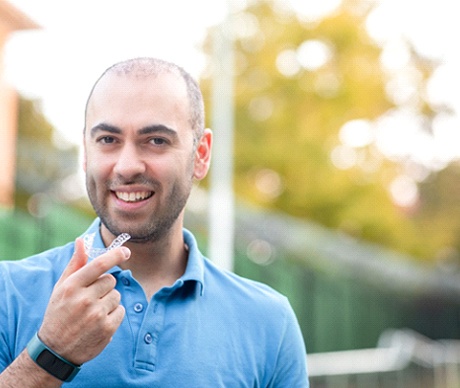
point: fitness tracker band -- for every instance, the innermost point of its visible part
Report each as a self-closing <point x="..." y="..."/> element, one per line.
<point x="50" y="361"/>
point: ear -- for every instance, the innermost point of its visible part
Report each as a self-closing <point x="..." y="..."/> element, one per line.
<point x="203" y="155"/>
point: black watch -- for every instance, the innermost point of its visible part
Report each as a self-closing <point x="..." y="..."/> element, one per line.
<point x="50" y="361"/>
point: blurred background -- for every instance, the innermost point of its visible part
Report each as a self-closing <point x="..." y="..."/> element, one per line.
<point x="336" y="175"/>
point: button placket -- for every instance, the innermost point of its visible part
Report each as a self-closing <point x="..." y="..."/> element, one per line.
<point x="150" y="330"/>
<point x="133" y="299"/>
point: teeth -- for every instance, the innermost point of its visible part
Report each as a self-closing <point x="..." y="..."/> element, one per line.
<point x="133" y="197"/>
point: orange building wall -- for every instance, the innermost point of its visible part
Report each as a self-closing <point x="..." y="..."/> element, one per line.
<point x="8" y="131"/>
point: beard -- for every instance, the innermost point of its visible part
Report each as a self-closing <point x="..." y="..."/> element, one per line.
<point x="158" y="223"/>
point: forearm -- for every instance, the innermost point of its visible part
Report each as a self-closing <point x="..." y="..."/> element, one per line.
<point x="78" y="298"/>
<point x="25" y="373"/>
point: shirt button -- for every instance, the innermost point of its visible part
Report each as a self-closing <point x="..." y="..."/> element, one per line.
<point x="148" y="338"/>
<point x="138" y="307"/>
<point x="125" y="281"/>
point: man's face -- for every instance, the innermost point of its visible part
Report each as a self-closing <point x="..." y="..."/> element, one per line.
<point x="139" y="156"/>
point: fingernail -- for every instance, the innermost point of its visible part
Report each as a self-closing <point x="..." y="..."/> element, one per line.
<point x="126" y="251"/>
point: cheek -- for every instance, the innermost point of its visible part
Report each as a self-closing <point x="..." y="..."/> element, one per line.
<point x="97" y="168"/>
<point x="168" y="166"/>
<point x="190" y="167"/>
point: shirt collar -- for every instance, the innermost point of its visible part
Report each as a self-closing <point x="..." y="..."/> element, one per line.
<point x="195" y="264"/>
<point x="194" y="270"/>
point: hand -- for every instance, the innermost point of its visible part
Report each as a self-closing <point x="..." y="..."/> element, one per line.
<point x="84" y="310"/>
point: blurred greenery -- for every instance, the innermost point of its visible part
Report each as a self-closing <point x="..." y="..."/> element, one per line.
<point x="287" y="127"/>
<point x="288" y="120"/>
<point x="44" y="159"/>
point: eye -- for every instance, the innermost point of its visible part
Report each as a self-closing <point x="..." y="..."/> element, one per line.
<point x="158" y="141"/>
<point x="106" y="140"/>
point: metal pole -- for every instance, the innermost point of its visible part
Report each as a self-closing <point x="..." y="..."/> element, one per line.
<point x="221" y="198"/>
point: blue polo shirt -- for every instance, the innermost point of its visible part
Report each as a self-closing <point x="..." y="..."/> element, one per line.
<point x="211" y="328"/>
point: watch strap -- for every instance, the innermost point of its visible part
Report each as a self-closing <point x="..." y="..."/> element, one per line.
<point x="50" y="361"/>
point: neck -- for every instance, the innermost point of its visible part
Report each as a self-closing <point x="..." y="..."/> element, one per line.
<point x="157" y="264"/>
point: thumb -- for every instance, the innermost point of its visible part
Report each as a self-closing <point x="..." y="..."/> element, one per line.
<point x="78" y="260"/>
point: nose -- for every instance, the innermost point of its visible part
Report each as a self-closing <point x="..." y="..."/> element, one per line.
<point x="129" y="162"/>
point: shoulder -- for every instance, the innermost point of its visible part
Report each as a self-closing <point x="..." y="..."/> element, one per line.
<point x="243" y="291"/>
<point x="267" y="315"/>
<point x="26" y="284"/>
<point x="219" y="283"/>
<point x="46" y="265"/>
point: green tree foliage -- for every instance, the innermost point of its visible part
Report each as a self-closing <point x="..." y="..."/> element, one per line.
<point x="438" y="215"/>
<point x="42" y="160"/>
<point x="289" y="113"/>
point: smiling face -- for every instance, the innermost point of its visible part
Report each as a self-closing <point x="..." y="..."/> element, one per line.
<point x="140" y="160"/>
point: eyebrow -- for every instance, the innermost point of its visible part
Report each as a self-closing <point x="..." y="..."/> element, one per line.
<point x="103" y="127"/>
<point x="158" y="128"/>
<point x="151" y="129"/>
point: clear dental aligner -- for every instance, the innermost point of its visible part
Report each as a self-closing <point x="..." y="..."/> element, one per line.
<point x="95" y="252"/>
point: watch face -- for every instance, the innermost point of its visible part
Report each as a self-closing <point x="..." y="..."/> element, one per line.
<point x="54" y="365"/>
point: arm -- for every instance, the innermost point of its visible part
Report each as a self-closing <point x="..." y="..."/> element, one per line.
<point x="24" y="372"/>
<point x="83" y="313"/>
<point x="291" y="366"/>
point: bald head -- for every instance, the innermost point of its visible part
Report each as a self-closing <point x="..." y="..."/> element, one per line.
<point x="154" y="67"/>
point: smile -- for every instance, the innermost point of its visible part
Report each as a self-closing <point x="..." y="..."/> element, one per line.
<point x="133" y="196"/>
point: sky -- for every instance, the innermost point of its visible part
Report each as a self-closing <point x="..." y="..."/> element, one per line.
<point x="59" y="63"/>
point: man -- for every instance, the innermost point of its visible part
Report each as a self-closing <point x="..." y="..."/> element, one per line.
<point x="155" y="312"/>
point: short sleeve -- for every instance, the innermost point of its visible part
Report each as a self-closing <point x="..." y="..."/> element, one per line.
<point x="291" y="365"/>
<point x="5" y="353"/>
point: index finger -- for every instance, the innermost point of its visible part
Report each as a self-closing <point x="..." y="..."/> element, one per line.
<point x="100" y="265"/>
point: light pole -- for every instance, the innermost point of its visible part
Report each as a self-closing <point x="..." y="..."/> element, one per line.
<point x="221" y="197"/>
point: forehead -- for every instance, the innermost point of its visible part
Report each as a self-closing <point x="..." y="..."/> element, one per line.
<point x="126" y="96"/>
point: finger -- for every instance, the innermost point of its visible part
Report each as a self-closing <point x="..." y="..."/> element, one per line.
<point x="93" y="270"/>
<point x="102" y="286"/>
<point x="111" y="301"/>
<point x="116" y="317"/>
<point x="77" y="261"/>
